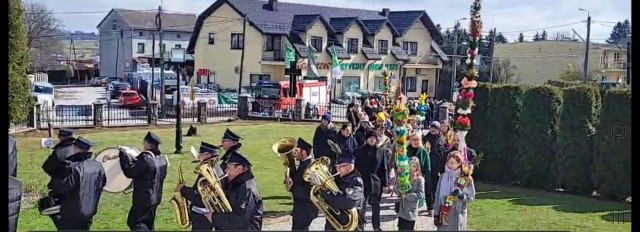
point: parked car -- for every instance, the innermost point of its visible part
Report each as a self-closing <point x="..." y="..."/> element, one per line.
<point x="96" y="81"/>
<point x="44" y="94"/>
<point x="107" y="80"/>
<point x="131" y="99"/>
<point x="118" y="87"/>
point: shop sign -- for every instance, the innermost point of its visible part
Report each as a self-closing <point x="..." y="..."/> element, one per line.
<point x="352" y="66"/>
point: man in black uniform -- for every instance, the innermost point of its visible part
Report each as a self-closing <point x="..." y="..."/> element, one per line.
<point x="198" y="212"/>
<point x="372" y="164"/>
<point x="148" y="172"/>
<point x="244" y="198"/>
<point x="15" y="197"/>
<point x="351" y="194"/>
<point x="80" y="189"/>
<point x="13" y="156"/>
<point x="304" y="211"/>
<point x="55" y="165"/>
<point x="230" y="144"/>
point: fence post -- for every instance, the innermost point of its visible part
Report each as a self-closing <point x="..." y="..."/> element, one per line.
<point x="243" y="107"/>
<point x="202" y="111"/>
<point x="152" y="113"/>
<point x="299" y="109"/>
<point x="37" y="116"/>
<point x="97" y="113"/>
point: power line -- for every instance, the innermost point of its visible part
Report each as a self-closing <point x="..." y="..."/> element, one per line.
<point x="82" y="12"/>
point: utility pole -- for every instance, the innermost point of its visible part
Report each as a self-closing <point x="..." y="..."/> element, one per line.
<point x="162" y="87"/>
<point x="75" y="61"/>
<point x="629" y="63"/>
<point x="153" y="66"/>
<point x="493" y="59"/>
<point x="244" y="30"/>
<point x="586" y="46"/>
<point x="69" y="63"/>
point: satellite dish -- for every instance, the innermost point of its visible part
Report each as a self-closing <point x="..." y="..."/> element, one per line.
<point x="47" y="143"/>
<point x="194" y="152"/>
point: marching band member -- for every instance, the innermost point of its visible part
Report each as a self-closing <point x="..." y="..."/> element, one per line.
<point x="198" y="212"/>
<point x="55" y="163"/>
<point x="230" y="144"/>
<point x="80" y="189"/>
<point x="148" y="172"/>
<point x="13" y="156"/>
<point x="15" y="197"/>
<point x="372" y="163"/>
<point x="243" y="195"/>
<point x="324" y="132"/>
<point x="351" y="194"/>
<point x="304" y="211"/>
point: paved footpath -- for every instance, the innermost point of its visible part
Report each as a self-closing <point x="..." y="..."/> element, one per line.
<point x="388" y="220"/>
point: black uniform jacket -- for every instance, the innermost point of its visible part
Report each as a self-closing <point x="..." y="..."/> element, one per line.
<point x="372" y="163"/>
<point x="193" y="195"/>
<point x="246" y="203"/>
<point x="320" y="146"/>
<point x="226" y="155"/>
<point x="148" y="172"/>
<point x="80" y="189"/>
<point x="55" y="163"/>
<point x="15" y="195"/>
<point x="13" y="156"/>
<point x="351" y="193"/>
<point x="301" y="189"/>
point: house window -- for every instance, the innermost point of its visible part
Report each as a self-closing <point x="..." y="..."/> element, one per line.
<point x="616" y="57"/>
<point x="316" y="43"/>
<point x="383" y="46"/>
<point x="140" y="48"/>
<point x="425" y="86"/>
<point x="411" y="48"/>
<point x="212" y="38"/>
<point x="352" y="46"/>
<point x="350" y="84"/>
<point x="140" y="34"/>
<point x="178" y="36"/>
<point x="114" y="25"/>
<point x="255" y="78"/>
<point x="411" y="84"/>
<point x="378" y="85"/>
<point x="237" y="41"/>
<point x="178" y="46"/>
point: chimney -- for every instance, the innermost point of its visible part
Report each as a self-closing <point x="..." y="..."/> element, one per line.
<point x="273" y="5"/>
<point x="385" y="12"/>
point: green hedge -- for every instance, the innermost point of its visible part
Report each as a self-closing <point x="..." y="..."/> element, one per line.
<point x="574" y="159"/>
<point x="612" y="146"/>
<point x="501" y="133"/>
<point x="537" y="131"/>
<point x="480" y="118"/>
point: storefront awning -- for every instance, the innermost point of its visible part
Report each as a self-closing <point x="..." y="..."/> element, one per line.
<point x="371" y="53"/>
<point x="400" y="54"/>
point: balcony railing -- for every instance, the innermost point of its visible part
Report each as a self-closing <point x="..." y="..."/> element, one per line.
<point x="273" y="55"/>
<point x="613" y="65"/>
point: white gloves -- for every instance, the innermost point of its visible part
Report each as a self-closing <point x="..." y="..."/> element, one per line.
<point x="315" y="179"/>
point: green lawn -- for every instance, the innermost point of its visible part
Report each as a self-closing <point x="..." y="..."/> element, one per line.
<point x="497" y="208"/>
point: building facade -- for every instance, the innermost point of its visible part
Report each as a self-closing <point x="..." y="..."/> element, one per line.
<point x="540" y="61"/>
<point x="126" y="38"/>
<point x="365" y="42"/>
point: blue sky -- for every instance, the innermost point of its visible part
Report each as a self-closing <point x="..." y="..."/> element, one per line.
<point x="509" y="16"/>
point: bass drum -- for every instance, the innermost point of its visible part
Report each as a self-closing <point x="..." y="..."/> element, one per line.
<point x="116" y="180"/>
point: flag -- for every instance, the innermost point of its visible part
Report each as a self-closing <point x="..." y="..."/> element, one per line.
<point x="336" y="71"/>
<point x="289" y="55"/>
<point x="312" y="69"/>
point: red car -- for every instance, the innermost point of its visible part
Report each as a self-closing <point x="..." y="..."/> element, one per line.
<point x="130" y="99"/>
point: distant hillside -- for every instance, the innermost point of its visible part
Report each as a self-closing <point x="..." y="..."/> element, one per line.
<point x="76" y="35"/>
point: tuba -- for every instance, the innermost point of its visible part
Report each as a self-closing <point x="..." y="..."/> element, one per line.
<point x="321" y="168"/>
<point x="286" y="147"/>
<point x="179" y="203"/>
<point x="210" y="188"/>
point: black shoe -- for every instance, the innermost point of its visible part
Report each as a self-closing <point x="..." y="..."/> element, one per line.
<point x="378" y="229"/>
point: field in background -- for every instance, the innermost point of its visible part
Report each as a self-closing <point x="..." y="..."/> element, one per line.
<point x="496" y="207"/>
<point x="85" y="49"/>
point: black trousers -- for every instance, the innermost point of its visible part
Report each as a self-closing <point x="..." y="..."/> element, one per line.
<point x="304" y="212"/>
<point x="199" y="222"/>
<point x="430" y="187"/>
<point x="373" y="200"/>
<point x="142" y="217"/>
<point x="56" y="220"/>
<point x="406" y="225"/>
<point x="74" y="223"/>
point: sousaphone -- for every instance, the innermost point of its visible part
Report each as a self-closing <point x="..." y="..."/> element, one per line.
<point x="117" y="182"/>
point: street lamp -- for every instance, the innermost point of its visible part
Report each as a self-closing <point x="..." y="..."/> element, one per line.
<point x="178" y="57"/>
<point x="586" y="49"/>
<point x="454" y="74"/>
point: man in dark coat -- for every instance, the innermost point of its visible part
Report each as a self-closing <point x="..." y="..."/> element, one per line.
<point x="345" y="139"/>
<point x="361" y="133"/>
<point x="438" y="161"/>
<point x="244" y="198"/>
<point x="15" y="197"/>
<point x="148" y="172"/>
<point x="324" y="132"/>
<point x="55" y="164"/>
<point x="372" y="164"/>
<point x="351" y="191"/>
<point x="13" y="156"/>
<point x="230" y="144"/>
<point x="198" y="210"/>
<point x="304" y="211"/>
<point x="80" y="189"/>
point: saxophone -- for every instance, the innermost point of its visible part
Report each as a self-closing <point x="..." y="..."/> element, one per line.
<point x="179" y="203"/>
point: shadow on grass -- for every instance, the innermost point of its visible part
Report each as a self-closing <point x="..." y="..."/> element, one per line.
<point x="618" y="217"/>
<point x="269" y="198"/>
<point x="276" y="214"/>
<point x="560" y="202"/>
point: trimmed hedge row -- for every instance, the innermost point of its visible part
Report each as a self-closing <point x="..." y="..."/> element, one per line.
<point x="545" y="136"/>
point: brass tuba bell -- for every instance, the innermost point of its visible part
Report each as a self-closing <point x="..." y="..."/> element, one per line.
<point x="210" y="188"/>
<point x="285" y="148"/>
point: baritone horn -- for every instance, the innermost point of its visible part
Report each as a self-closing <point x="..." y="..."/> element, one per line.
<point x="321" y="168"/>
<point x="210" y="188"/>
<point x="286" y="148"/>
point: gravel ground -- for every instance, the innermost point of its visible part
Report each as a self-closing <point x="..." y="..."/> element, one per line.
<point x="387" y="217"/>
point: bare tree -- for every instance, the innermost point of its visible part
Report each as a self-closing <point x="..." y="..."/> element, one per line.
<point x="42" y="27"/>
<point x="504" y="71"/>
<point x="562" y="35"/>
